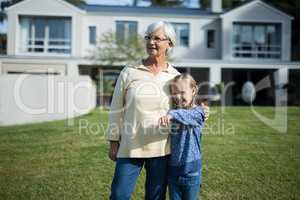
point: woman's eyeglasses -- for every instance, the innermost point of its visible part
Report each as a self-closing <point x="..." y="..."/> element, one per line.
<point x="156" y="39"/>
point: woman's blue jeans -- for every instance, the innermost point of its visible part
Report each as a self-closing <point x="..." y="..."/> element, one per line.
<point x="128" y="169"/>
<point x="185" y="187"/>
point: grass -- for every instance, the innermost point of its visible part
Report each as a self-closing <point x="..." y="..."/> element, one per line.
<point x="243" y="158"/>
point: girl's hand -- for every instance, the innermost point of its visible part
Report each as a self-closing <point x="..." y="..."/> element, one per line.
<point x="164" y="120"/>
<point x="206" y="111"/>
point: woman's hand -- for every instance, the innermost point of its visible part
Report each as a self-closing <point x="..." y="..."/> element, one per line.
<point x="113" y="150"/>
<point x="206" y="111"/>
<point x="164" y="120"/>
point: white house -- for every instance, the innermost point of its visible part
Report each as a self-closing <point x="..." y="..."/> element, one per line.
<point x="249" y="43"/>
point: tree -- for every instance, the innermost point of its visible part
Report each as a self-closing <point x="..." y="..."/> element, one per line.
<point x="226" y="4"/>
<point x="109" y="50"/>
<point x="76" y="2"/>
<point x="291" y="7"/>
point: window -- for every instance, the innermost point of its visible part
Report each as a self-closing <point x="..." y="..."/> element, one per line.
<point x="211" y="38"/>
<point x="125" y="30"/>
<point x="33" y="73"/>
<point x="92" y="34"/>
<point x="182" y="33"/>
<point x="257" y="40"/>
<point x="3" y="36"/>
<point x="45" y="35"/>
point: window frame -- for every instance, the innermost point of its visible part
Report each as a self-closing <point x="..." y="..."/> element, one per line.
<point x="92" y="34"/>
<point x="211" y="44"/>
<point x="176" y="26"/>
<point x="255" y="49"/>
<point x="126" y="31"/>
<point x="34" y="45"/>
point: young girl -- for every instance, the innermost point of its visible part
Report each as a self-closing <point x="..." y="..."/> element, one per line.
<point x="186" y="120"/>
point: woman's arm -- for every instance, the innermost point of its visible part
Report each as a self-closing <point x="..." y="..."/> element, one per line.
<point x="113" y="134"/>
<point x="113" y="150"/>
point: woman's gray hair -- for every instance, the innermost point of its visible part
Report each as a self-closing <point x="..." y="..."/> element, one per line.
<point x="168" y="29"/>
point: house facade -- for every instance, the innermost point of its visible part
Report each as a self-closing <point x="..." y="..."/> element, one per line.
<point x="222" y="49"/>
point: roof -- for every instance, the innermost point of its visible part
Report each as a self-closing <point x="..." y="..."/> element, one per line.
<point x="63" y="2"/>
<point x="263" y="3"/>
<point x="145" y="10"/>
<point x="180" y="11"/>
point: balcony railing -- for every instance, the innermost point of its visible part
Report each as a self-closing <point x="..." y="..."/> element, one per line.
<point x="44" y="45"/>
<point x="257" y="51"/>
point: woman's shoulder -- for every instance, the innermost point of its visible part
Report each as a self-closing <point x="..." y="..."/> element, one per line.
<point x="134" y="65"/>
<point x="130" y="67"/>
<point x="127" y="68"/>
<point x="131" y="71"/>
<point x="173" y="70"/>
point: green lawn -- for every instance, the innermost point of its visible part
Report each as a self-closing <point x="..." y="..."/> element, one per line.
<point x="244" y="159"/>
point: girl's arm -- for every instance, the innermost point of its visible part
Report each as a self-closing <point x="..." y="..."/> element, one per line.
<point x="194" y="117"/>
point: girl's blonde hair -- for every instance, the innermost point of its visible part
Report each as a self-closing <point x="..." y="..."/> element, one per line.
<point x="197" y="100"/>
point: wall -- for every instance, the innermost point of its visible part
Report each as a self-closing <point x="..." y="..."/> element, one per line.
<point x="263" y="14"/>
<point x="199" y="24"/>
<point x="198" y="27"/>
<point x="38" y="98"/>
<point x="60" y="66"/>
<point x="52" y="8"/>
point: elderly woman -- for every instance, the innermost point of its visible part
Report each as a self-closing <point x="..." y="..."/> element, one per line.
<point x="140" y="98"/>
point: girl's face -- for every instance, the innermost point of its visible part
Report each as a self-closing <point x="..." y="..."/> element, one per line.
<point x="183" y="94"/>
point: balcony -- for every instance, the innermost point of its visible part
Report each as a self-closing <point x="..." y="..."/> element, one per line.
<point x="257" y="51"/>
<point x="256" y="40"/>
<point x="45" y="35"/>
<point x="44" y="45"/>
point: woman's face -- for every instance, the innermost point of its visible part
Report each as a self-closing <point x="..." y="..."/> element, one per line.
<point x="157" y="43"/>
